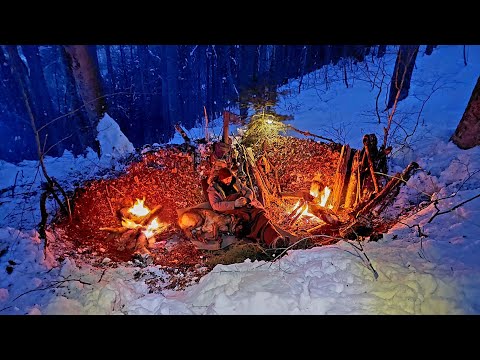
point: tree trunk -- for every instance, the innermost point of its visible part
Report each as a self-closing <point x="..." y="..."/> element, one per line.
<point x="87" y="76"/>
<point x="402" y="73"/>
<point x="467" y="134"/>
<point x="78" y="124"/>
<point x="110" y="69"/>
<point x="42" y="104"/>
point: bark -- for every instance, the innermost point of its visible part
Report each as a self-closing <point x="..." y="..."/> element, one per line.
<point x="467" y="134"/>
<point x="84" y="64"/>
<point x="111" y="74"/>
<point x="341" y="175"/>
<point x="402" y="73"/>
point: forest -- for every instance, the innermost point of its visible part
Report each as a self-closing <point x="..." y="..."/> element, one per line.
<point x="148" y="89"/>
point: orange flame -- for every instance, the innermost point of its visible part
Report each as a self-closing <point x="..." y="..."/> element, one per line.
<point x="324" y="197"/>
<point x="139" y="209"/>
<point x="129" y="224"/>
<point x="154" y="228"/>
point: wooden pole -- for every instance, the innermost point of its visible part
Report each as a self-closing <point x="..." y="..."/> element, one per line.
<point x="366" y="144"/>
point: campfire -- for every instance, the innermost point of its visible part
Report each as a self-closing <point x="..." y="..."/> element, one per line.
<point x="140" y="226"/>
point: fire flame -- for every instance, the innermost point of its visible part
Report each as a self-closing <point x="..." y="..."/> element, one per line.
<point x="323" y="197"/>
<point x="152" y="228"/>
<point x="304" y="212"/>
<point x="129" y="224"/>
<point x="139" y="209"/>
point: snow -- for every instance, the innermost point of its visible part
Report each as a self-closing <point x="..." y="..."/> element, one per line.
<point x="425" y="264"/>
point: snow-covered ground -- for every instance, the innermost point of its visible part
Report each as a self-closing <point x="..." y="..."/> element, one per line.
<point x="418" y="267"/>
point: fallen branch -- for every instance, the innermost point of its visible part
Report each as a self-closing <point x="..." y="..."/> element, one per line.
<point x="396" y="181"/>
<point x="183" y="134"/>
<point x="308" y="133"/>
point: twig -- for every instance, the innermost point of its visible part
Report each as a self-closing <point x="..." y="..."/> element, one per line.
<point x="108" y="199"/>
<point x="368" y="262"/>
<point x="55" y="283"/>
<point x="101" y="276"/>
<point x="306" y="238"/>
<point x="308" y="133"/>
<point x="114" y="188"/>
<point x="439" y="212"/>
<point x="15" y="183"/>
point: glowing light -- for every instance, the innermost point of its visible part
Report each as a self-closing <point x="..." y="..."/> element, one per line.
<point x="153" y="228"/>
<point x="269" y="122"/>
<point x="138" y="209"/>
<point x="325" y="195"/>
<point x="129" y="224"/>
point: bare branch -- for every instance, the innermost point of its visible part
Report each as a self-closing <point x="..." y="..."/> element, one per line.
<point x="451" y="209"/>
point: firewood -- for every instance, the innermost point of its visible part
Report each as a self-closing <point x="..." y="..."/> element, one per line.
<point x="340" y="178"/>
<point x="391" y="187"/>
<point x="265" y="195"/>
<point x="297" y="212"/>
<point x="300" y="194"/>
<point x="367" y="142"/>
<point x="324" y="214"/>
<point x="183" y="134"/>
<point x="352" y="188"/>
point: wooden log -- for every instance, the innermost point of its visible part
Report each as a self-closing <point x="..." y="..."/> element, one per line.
<point x="324" y="214"/>
<point x="340" y="178"/>
<point x="352" y="188"/>
<point x="183" y="134"/>
<point x="297" y="212"/>
<point x="367" y="143"/>
<point x="265" y="195"/>
<point x="389" y="190"/>
<point x="300" y="194"/>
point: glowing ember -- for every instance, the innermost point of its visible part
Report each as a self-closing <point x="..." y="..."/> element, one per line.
<point x="138" y="209"/>
<point x="151" y="229"/>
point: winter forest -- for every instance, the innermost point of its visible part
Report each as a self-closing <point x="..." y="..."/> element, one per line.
<point x="352" y="179"/>
<point x="148" y="88"/>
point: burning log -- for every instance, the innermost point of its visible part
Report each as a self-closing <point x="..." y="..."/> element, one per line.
<point x="300" y="194"/>
<point x="298" y="211"/>
<point x="138" y="214"/>
<point x="324" y="214"/>
<point x="139" y="227"/>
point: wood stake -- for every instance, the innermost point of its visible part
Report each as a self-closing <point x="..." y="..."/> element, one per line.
<point x="370" y="163"/>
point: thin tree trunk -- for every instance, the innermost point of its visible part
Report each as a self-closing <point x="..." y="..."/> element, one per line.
<point x="110" y="68"/>
<point x="467" y="134"/>
<point x="87" y="77"/>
